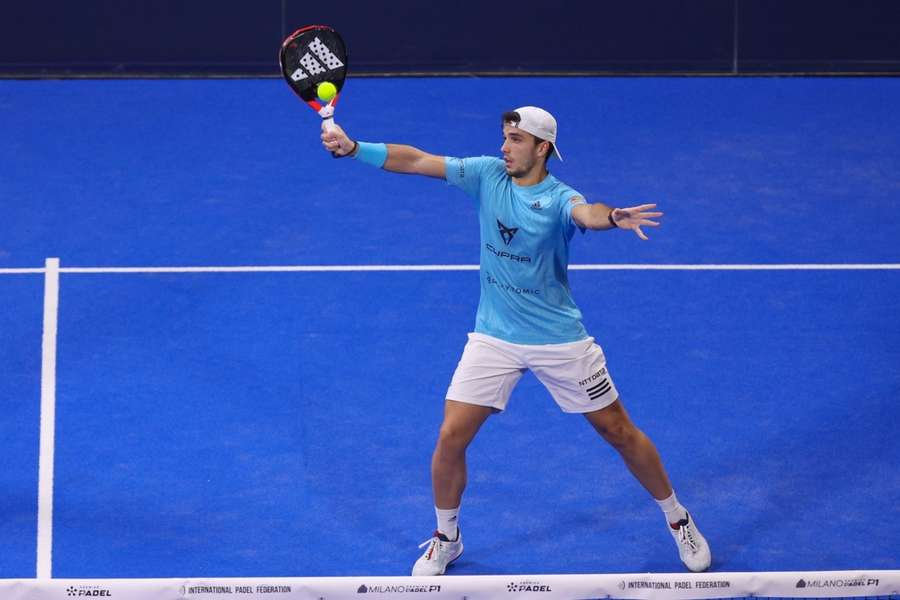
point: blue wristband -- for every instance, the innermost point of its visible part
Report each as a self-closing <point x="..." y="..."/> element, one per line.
<point x="372" y="154"/>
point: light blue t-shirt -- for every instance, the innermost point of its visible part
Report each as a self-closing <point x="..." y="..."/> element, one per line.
<point x="525" y="234"/>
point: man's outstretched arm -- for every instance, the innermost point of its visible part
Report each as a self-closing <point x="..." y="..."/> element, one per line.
<point x="599" y="216"/>
<point x="397" y="158"/>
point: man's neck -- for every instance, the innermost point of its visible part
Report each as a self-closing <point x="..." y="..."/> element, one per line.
<point x="533" y="177"/>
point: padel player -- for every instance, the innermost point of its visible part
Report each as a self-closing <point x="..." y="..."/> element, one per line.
<point x="526" y="316"/>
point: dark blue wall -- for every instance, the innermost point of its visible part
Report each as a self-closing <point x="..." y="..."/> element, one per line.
<point x="139" y="37"/>
<point x="811" y="35"/>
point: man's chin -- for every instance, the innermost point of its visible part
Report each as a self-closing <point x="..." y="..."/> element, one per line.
<point x="514" y="173"/>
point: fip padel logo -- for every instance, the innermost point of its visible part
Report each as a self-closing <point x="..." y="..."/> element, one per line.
<point x="528" y="586"/>
<point x="88" y="591"/>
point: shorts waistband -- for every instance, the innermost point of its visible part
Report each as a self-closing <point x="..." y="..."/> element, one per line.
<point x="495" y="340"/>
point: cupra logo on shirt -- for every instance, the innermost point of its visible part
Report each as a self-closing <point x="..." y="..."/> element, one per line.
<point x="506" y="233"/>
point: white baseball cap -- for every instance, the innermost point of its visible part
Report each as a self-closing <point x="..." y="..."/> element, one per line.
<point x="539" y="123"/>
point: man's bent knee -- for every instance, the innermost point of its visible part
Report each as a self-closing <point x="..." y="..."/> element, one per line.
<point x="614" y="425"/>
<point x="621" y="435"/>
<point x="452" y="438"/>
<point x="461" y="423"/>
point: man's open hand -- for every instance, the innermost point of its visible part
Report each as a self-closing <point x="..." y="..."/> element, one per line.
<point x="635" y="217"/>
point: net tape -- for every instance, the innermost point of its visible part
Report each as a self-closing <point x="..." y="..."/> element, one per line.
<point x="823" y="584"/>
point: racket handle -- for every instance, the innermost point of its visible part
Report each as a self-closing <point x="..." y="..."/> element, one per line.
<point x="328" y="124"/>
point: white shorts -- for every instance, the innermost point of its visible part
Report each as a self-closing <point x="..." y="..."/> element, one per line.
<point x="575" y="373"/>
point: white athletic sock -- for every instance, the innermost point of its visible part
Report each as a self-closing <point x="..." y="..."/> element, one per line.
<point x="448" y="521"/>
<point x="673" y="509"/>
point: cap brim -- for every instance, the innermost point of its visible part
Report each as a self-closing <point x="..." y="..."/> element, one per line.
<point x="556" y="152"/>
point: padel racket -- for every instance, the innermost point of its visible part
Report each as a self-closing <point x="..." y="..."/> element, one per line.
<point x="310" y="56"/>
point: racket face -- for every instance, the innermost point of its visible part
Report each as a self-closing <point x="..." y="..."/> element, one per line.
<point x="310" y="56"/>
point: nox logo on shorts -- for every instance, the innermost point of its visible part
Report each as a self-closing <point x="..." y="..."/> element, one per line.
<point x="599" y="384"/>
<point x="313" y="64"/>
<point x="598" y="390"/>
<point x="507" y="233"/>
<point x="593" y="377"/>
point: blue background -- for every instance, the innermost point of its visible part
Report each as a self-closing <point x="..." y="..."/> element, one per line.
<point x="20" y="397"/>
<point x="271" y="424"/>
<point x="231" y="172"/>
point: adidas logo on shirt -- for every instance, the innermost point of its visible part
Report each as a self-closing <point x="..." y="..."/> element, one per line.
<point x="538" y="205"/>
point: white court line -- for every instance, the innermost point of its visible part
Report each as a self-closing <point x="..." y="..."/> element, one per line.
<point x="273" y="269"/>
<point x="48" y="420"/>
<point x="574" y="267"/>
<point x="438" y="268"/>
<point x="742" y="267"/>
<point x="7" y="271"/>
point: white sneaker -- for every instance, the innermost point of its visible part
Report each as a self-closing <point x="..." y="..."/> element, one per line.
<point x="692" y="546"/>
<point x="440" y="553"/>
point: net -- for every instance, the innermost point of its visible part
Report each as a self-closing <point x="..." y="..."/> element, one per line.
<point x="855" y="585"/>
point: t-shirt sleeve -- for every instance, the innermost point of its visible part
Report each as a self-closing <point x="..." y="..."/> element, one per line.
<point x="467" y="173"/>
<point x="569" y="199"/>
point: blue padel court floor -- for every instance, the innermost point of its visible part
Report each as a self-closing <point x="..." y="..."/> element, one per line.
<point x="258" y="423"/>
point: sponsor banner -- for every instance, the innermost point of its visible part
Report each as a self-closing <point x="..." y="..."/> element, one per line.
<point x="668" y="586"/>
<point x="708" y="585"/>
<point x="242" y="589"/>
<point x="371" y="588"/>
<point x="75" y="589"/>
<point x="833" y="584"/>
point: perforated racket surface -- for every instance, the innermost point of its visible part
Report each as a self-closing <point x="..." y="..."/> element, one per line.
<point x="309" y="56"/>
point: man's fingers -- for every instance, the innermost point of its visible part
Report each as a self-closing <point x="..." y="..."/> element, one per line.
<point x="331" y="145"/>
<point x="635" y="217"/>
